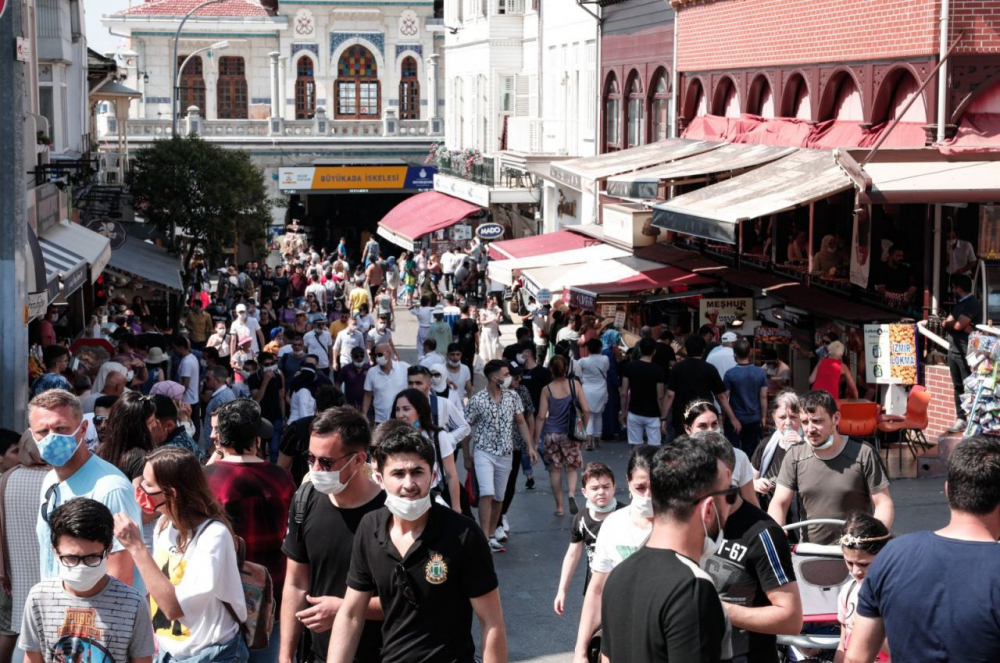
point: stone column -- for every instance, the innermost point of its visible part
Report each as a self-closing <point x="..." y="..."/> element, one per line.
<point x="275" y="92"/>
<point x="282" y="90"/>
<point x="432" y="87"/>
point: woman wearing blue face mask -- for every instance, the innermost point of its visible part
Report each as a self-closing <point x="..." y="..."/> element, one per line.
<point x="411" y="406"/>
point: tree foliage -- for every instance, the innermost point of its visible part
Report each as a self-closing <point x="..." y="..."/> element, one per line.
<point x="200" y="193"/>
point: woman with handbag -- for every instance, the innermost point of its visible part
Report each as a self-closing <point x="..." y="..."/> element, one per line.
<point x="195" y="589"/>
<point x="561" y="423"/>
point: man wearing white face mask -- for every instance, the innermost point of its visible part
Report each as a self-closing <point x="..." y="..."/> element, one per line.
<point x="82" y="534"/>
<point x="658" y="604"/>
<point x="242" y="326"/>
<point x="833" y="474"/>
<point x="447" y="569"/>
<point x="386" y="379"/>
<point x="325" y="515"/>
<point x="752" y="571"/>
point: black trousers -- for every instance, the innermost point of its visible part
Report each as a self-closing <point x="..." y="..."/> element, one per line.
<point x="508" y="495"/>
<point x="959" y="372"/>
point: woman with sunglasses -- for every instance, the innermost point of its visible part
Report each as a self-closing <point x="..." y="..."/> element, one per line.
<point x="195" y="590"/>
<point x="622" y="533"/>
<point x="413" y="407"/>
<point x="701" y="416"/>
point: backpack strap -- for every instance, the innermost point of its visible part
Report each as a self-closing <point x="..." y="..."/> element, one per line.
<point x="434" y="409"/>
<point x="301" y="503"/>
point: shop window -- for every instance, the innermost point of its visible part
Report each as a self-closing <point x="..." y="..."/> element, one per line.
<point x="659" y="105"/>
<point x="357" y="86"/>
<point x="636" y="118"/>
<point x="409" y="91"/>
<point x="231" y="98"/>
<point x="191" y="85"/>
<point x="305" y="89"/>
<point x="612" y="115"/>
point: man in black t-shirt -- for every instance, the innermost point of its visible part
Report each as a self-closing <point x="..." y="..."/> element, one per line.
<point x="658" y="605"/>
<point x="267" y="387"/>
<point x="695" y="379"/>
<point x="467" y="336"/>
<point x="429" y="593"/>
<point x="753" y="573"/>
<point x="664" y="355"/>
<point x="535" y="376"/>
<point x="642" y="390"/>
<point x="325" y="516"/>
<point x="968" y="313"/>
<point x="511" y="352"/>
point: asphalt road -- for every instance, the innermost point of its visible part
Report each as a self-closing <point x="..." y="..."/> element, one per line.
<point x="529" y="570"/>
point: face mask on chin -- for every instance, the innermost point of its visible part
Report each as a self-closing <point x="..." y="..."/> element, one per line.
<point x="454" y="363"/>
<point x="407" y="509"/>
<point x="826" y="444"/>
<point x="607" y="508"/>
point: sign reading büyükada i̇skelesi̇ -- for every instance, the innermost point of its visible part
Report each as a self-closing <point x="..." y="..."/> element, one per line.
<point x="355" y="178"/>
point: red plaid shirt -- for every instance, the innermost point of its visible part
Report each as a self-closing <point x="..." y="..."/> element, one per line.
<point x="256" y="497"/>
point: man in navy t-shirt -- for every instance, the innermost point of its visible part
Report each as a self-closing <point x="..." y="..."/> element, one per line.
<point x="747" y="387"/>
<point x="934" y="594"/>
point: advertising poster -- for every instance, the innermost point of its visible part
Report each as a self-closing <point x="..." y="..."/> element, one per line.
<point x="719" y="312"/>
<point x="861" y="255"/>
<point x="891" y="354"/>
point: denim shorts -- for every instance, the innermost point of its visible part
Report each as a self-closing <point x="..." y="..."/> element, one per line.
<point x="233" y="651"/>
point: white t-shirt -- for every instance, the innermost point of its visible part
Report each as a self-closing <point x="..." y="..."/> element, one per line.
<point x="204" y="577"/>
<point x="459" y="377"/>
<point x="303" y="405"/>
<point x="722" y="358"/>
<point x="319" y="345"/>
<point x="743" y="471"/>
<point x="617" y="540"/>
<point x="189" y="368"/>
<point x="240" y="329"/>
<point x="539" y="324"/>
<point x="424" y="314"/>
<point x="347" y="341"/>
<point x="385" y="387"/>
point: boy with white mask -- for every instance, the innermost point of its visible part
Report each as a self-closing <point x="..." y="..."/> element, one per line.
<point x="447" y="570"/>
<point x="82" y="535"/>
<point x="325" y="515"/>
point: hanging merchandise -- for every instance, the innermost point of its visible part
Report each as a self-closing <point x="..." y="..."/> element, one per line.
<point x="981" y="398"/>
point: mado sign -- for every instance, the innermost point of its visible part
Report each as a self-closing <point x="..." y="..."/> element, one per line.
<point x="489" y="231"/>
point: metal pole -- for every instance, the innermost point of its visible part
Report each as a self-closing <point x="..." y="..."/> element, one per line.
<point x="13" y="226"/>
<point x="942" y="122"/>
<point x="175" y="104"/>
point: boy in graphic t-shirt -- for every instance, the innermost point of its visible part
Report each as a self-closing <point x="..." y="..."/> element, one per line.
<point x="599" y="489"/>
<point x="85" y="614"/>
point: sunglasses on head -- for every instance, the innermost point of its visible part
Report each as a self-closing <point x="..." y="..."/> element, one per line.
<point x="730" y="494"/>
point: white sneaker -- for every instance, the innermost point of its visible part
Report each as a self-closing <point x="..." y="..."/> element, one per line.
<point x="504" y="524"/>
<point x="500" y="534"/>
<point x="495" y="546"/>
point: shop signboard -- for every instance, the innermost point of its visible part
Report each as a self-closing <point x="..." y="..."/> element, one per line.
<point x="582" y="300"/>
<point x="37" y="303"/>
<point x="544" y="296"/>
<point x="477" y="194"/>
<point x="461" y="232"/>
<point x="489" y="231"/>
<point x="891" y="354"/>
<point x="356" y="179"/>
<point x="721" y="311"/>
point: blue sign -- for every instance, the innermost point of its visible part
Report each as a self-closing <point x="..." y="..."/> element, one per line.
<point x="420" y="177"/>
<point x="489" y="231"/>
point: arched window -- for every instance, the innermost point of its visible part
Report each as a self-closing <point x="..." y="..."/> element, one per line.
<point x="727" y="101"/>
<point x="612" y="115"/>
<point x="192" y="85"/>
<point x="659" y="104"/>
<point x="797" y="96"/>
<point x="761" y="101"/>
<point x="305" y="90"/>
<point x="409" y="91"/>
<point x="231" y="96"/>
<point x="636" y="118"/>
<point x="847" y="102"/>
<point x="357" y="85"/>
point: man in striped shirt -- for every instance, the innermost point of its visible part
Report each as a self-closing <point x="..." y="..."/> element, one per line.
<point x="752" y="571"/>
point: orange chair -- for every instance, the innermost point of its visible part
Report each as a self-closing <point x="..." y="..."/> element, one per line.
<point x="910" y="429"/>
<point x="859" y="420"/>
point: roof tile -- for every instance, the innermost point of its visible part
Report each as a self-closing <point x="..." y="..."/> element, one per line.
<point x="227" y="8"/>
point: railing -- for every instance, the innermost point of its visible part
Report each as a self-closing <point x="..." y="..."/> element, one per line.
<point x="483" y="172"/>
<point x="151" y="128"/>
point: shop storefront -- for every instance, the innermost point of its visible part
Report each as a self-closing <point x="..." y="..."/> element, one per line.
<point x="433" y="220"/>
<point x="513" y="208"/>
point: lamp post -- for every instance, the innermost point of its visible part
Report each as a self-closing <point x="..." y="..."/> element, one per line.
<point x="176" y="70"/>
<point x="217" y="46"/>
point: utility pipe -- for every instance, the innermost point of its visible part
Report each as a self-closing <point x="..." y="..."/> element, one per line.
<point x="942" y="109"/>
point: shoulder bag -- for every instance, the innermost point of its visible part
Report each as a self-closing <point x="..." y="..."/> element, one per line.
<point x="576" y="430"/>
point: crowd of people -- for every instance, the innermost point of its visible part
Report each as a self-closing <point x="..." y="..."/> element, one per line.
<point x="280" y="452"/>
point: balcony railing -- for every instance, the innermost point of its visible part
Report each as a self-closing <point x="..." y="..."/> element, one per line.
<point x="160" y="128"/>
<point x="483" y="172"/>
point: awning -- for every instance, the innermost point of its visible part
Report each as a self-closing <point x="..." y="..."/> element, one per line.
<point x="728" y="159"/>
<point x="67" y="249"/>
<point x="652" y="279"/>
<point x="421" y="215"/>
<point x="504" y="271"/>
<point x="557" y="278"/>
<point x="38" y="295"/>
<point x="714" y="212"/>
<point x="149" y="262"/>
<point x="923" y="176"/>
<point x="577" y="173"/>
<point x="525" y="247"/>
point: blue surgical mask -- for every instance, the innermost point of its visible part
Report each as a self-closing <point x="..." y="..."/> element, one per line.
<point x="826" y="445"/>
<point x="56" y="449"/>
<point x="610" y="506"/>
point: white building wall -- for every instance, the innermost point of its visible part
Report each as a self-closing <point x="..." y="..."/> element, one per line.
<point x="569" y="99"/>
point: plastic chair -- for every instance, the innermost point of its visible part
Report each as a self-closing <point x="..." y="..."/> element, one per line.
<point x="910" y="429"/>
<point x="859" y="420"/>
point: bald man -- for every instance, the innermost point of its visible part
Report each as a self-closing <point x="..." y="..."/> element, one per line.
<point x="114" y="385"/>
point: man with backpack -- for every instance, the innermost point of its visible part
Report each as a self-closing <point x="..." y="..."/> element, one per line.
<point x="324" y="517"/>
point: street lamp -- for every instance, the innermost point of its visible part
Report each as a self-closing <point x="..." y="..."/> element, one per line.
<point x="217" y="46"/>
<point x="177" y="36"/>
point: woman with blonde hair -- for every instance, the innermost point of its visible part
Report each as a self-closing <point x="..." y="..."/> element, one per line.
<point x="828" y="372"/>
<point x="196" y="594"/>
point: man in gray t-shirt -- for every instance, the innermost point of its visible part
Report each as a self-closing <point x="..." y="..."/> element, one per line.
<point x="832" y="474"/>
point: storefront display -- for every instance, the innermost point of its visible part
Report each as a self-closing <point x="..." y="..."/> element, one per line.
<point x="981" y="399"/>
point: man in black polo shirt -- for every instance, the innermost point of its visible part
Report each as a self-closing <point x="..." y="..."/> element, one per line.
<point x="322" y="524"/>
<point x="968" y="313"/>
<point x="430" y="566"/>
<point x="695" y="379"/>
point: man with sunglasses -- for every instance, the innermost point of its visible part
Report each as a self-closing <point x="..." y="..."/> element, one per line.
<point x="430" y="592"/>
<point x="386" y="379"/>
<point x="62" y="615"/>
<point x="752" y="571"/>
<point x="658" y="605"/>
<point x="322" y="522"/>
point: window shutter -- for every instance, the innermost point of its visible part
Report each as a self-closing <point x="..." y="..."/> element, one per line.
<point x="522" y="85"/>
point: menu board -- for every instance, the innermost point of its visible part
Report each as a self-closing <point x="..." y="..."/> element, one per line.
<point x="891" y="354"/>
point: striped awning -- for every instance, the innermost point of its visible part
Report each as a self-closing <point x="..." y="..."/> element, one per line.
<point x="68" y="248"/>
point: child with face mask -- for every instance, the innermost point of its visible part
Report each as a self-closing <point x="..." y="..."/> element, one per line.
<point x="82" y="534"/>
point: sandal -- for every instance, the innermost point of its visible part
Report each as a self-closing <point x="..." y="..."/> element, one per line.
<point x="559" y="513"/>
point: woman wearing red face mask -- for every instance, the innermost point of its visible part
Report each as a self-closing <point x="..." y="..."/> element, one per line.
<point x="196" y="595"/>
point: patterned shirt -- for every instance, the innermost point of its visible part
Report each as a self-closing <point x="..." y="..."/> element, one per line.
<point x="493" y="423"/>
<point x="256" y="497"/>
<point x="112" y="626"/>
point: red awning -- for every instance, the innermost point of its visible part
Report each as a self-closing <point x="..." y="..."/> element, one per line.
<point x="526" y="247"/>
<point x="661" y="277"/>
<point x="790" y="132"/>
<point x="421" y="215"/>
<point x="978" y="133"/>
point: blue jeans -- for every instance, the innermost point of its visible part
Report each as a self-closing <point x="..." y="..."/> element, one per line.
<point x="272" y="451"/>
<point x="233" y="651"/>
<point x="269" y="655"/>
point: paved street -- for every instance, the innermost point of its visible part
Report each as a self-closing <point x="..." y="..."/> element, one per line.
<point x="529" y="570"/>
